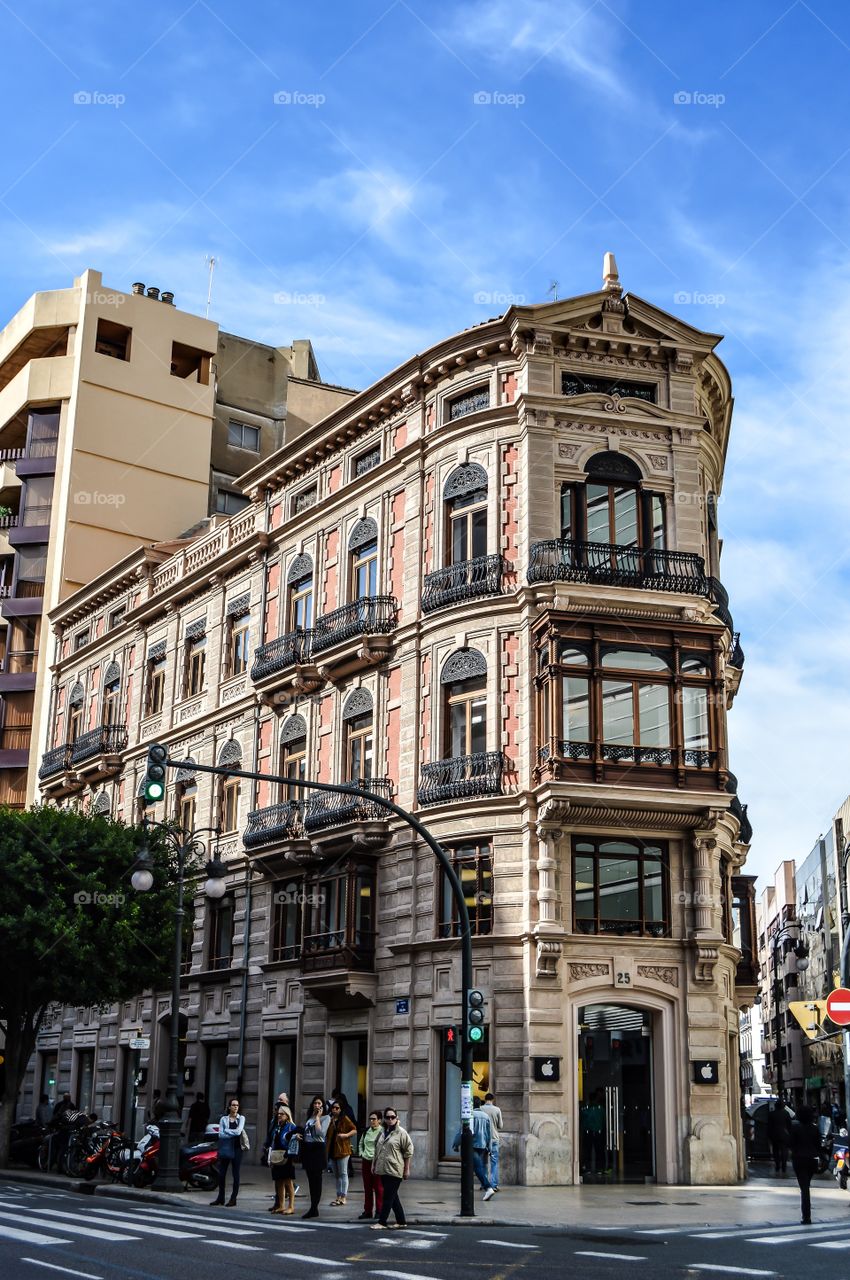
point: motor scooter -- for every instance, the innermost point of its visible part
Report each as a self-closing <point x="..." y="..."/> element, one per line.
<point x="841" y="1158"/>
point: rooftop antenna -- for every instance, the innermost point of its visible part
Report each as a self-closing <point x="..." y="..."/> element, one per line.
<point x="553" y="289"/>
<point x="210" y="261"/>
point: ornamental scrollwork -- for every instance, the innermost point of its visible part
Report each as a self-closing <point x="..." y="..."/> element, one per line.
<point x="666" y="973"/>
<point x="580" y="971"/>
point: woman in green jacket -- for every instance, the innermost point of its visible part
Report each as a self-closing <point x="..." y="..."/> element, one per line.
<point x="373" y="1188"/>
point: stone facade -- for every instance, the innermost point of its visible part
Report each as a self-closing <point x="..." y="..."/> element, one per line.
<point x="451" y="663"/>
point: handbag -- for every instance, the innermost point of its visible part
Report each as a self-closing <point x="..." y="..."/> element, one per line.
<point x="244" y="1141"/>
<point x="276" y="1156"/>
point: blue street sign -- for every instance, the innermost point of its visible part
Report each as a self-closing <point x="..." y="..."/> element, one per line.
<point x="402" y="1006"/>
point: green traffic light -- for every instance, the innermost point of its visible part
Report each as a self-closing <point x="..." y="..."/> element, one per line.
<point x="476" y="1034"/>
<point x="154" y="791"/>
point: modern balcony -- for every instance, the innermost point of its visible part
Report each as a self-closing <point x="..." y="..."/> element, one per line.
<point x="97" y="754"/>
<point x="462" y="778"/>
<point x="354" y="637"/>
<point x="467" y="580"/>
<point x="17" y="672"/>
<point x="617" y="762"/>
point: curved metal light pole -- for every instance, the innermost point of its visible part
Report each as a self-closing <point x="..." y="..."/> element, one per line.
<point x="467" y="1196"/>
<point x="168" y="1172"/>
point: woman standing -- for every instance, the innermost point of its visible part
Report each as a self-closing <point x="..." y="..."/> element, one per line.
<point x="230" y="1130"/>
<point x="340" y="1132"/>
<point x="314" y="1152"/>
<point x="393" y="1152"/>
<point x="373" y="1188"/>
<point x="276" y="1154"/>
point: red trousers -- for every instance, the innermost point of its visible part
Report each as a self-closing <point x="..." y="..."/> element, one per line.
<point x="372" y="1185"/>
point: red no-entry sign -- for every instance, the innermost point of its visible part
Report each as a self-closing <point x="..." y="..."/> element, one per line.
<point x="838" y="1006"/>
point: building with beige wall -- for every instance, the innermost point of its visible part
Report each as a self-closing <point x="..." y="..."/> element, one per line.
<point x="116" y="427"/>
<point x="488" y="586"/>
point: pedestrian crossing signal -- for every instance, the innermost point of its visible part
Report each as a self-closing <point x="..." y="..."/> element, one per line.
<point x="451" y="1045"/>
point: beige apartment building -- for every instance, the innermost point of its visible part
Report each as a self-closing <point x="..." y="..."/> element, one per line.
<point x="488" y="585"/>
<point x="122" y="420"/>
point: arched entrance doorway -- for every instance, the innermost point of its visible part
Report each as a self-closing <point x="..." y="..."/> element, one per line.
<point x="616" y="1098"/>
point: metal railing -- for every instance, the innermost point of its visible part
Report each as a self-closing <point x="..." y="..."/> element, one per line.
<point x="284" y="651"/>
<point x="18" y="662"/>
<point x="345" y="948"/>
<point x="625" y="753"/>
<point x="57" y="760"/>
<point x="371" y="615"/>
<point x="8" y="522"/>
<point x="567" y="560"/>
<point x="106" y="739"/>
<point x="330" y="809"/>
<point x="467" y="580"/>
<point x="461" y="777"/>
<point x="276" y="822"/>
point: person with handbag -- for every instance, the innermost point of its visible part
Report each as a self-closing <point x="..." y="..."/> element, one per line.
<point x="232" y="1141"/>
<point x="282" y="1143"/>
<point x="373" y="1187"/>
<point x="340" y="1132"/>
<point x="314" y="1152"/>
<point x="393" y="1153"/>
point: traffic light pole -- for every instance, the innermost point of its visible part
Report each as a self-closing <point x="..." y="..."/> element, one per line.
<point x="467" y="1190"/>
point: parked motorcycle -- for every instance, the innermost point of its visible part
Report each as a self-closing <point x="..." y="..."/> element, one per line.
<point x="841" y="1158"/>
<point x="105" y="1149"/>
<point x="198" y="1163"/>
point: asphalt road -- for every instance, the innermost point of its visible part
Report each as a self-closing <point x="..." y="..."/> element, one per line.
<point x="58" y="1233"/>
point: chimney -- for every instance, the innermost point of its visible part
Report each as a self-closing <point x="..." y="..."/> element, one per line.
<point x="138" y="288"/>
<point x="152" y="292"/>
<point x="167" y="298"/>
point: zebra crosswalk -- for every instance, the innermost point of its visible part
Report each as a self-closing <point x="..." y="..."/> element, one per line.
<point x="832" y="1233"/>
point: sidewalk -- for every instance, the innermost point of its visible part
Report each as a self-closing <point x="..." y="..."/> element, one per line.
<point x="762" y="1199"/>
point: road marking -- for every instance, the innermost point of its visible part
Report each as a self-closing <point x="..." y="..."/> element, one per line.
<point x="76" y="1230"/>
<point x="29" y="1237"/>
<point x="144" y="1228"/>
<point x="288" y="1226"/>
<point x="799" y="1235"/>
<point x="345" y="1226"/>
<point x="507" y="1244"/>
<point x="836" y="1224"/>
<point x="69" y="1271"/>
<point x="169" y="1218"/>
<point x="831" y="1244"/>
<point x="309" y="1257"/>
<point x="735" y="1271"/>
<point x="400" y="1275"/>
<point x="231" y="1244"/>
<point x="615" y="1257"/>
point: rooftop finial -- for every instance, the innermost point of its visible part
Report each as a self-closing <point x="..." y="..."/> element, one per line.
<point x="610" y="274"/>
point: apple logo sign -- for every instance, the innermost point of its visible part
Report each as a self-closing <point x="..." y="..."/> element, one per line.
<point x="547" y="1068"/>
<point x="707" y="1072"/>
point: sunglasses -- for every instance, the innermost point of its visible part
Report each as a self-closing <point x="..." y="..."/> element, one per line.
<point x="386" y="1117"/>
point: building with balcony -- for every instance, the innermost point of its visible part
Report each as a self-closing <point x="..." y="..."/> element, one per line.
<point x="779" y="932"/>
<point x="122" y="420"/>
<point x="488" y="588"/>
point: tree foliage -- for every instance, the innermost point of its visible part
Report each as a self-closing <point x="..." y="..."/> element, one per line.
<point x="72" y="929"/>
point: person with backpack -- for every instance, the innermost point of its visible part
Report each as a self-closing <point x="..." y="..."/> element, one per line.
<point x="282" y="1144"/>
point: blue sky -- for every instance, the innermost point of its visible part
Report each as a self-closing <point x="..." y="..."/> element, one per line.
<point x="428" y="163"/>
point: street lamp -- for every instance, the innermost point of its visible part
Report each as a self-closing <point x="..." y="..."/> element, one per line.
<point x="801" y="951"/>
<point x="184" y="844"/>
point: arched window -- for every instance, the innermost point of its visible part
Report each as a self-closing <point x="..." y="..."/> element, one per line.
<point x="612" y="508"/>
<point x="300" y="588"/>
<point x="363" y="549"/>
<point x="465" y="496"/>
<point x="357" y="718"/>
<point x="229" y="789"/>
<point x="464" y="681"/>
<point x="293" y="756"/>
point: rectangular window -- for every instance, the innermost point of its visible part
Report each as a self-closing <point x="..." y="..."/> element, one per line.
<point x="240" y="633"/>
<point x="286" y="921"/>
<point x="228" y="503"/>
<point x="116" y="617"/>
<point x="190" y="363"/>
<point x="474" y="866"/>
<point x="359" y="747"/>
<point x="620" y="887"/>
<point x="43" y="432"/>
<point x="111" y="702"/>
<point x="241" y="436"/>
<point x="75" y="721"/>
<point x="576" y="709"/>
<point x="187" y="796"/>
<point x="229" y="819"/>
<point x="38" y="501"/>
<point x="469" y="402"/>
<point x="81" y="639"/>
<point x="304" y="500"/>
<point x="364" y="571"/>
<point x="156" y="686"/>
<point x="196" y="665"/>
<point x="221" y="934"/>
<point x="301" y="604"/>
<point x="568" y="527"/>
<point x="366" y="461"/>
<point x="695" y="717"/>
<point x="112" y="339"/>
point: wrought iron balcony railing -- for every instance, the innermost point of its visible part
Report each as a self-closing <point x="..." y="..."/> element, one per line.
<point x="371" y="615"/>
<point x="332" y="809"/>
<point x="57" y="760"/>
<point x="462" y="777"/>
<point x="567" y="560"/>
<point x="282" y="652"/>
<point x="467" y="580"/>
<point x="736" y="657"/>
<point x="624" y="753"/>
<point x="346" y="948"/>
<point x="106" y="739"/>
<point x="278" y="822"/>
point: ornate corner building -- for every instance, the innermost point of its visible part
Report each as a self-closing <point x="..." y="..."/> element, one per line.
<point x="489" y="586"/>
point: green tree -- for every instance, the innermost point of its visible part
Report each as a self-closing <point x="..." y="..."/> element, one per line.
<point x="72" y="929"/>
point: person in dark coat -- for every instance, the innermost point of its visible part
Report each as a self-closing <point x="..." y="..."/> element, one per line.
<point x="805" y="1149"/>
<point x="778" y="1136"/>
<point x="199" y="1118"/>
